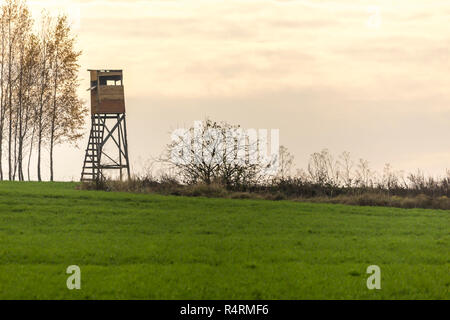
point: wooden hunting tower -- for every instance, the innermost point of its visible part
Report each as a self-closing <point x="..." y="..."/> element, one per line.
<point x="107" y="125"/>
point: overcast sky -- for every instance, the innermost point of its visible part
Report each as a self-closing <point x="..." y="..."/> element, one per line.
<point x="328" y="74"/>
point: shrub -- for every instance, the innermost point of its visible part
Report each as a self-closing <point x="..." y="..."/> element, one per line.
<point x="204" y="190"/>
<point x="284" y="191"/>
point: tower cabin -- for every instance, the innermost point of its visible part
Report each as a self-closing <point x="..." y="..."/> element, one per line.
<point x="107" y="92"/>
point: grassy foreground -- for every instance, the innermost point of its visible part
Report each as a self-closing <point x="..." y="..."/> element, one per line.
<point x="136" y="246"/>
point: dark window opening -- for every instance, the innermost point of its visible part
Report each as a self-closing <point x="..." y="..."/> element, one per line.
<point x="111" y="81"/>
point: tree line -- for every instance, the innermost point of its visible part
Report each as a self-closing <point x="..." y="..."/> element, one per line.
<point x="327" y="175"/>
<point x="39" y="104"/>
<point x="204" y="158"/>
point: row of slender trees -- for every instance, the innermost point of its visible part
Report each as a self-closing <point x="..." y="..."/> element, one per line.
<point x="39" y="104"/>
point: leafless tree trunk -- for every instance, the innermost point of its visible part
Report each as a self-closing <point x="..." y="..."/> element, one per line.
<point x="2" y="91"/>
<point x="347" y="165"/>
<point x="10" y="90"/>
<point x="43" y="87"/>
<point x="67" y="110"/>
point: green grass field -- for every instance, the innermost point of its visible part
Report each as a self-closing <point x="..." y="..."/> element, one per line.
<point x="135" y="246"/>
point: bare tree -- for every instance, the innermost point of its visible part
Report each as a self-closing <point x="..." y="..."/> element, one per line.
<point x="363" y="174"/>
<point x="286" y="163"/>
<point x="25" y="66"/>
<point x="66" y="109"/>
<point x="3" y="24"/>
<point x="215" y="152"/>
<point x="43" y="84"/>
<point x="323" y="169"/>
<point x="28" y="100"/>
<point x="346" y="169"/>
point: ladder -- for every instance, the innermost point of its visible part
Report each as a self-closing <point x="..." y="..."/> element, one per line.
<point x="91" y="167"/>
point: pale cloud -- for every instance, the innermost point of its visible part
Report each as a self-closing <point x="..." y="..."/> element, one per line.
<point x="227" y="41"/>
